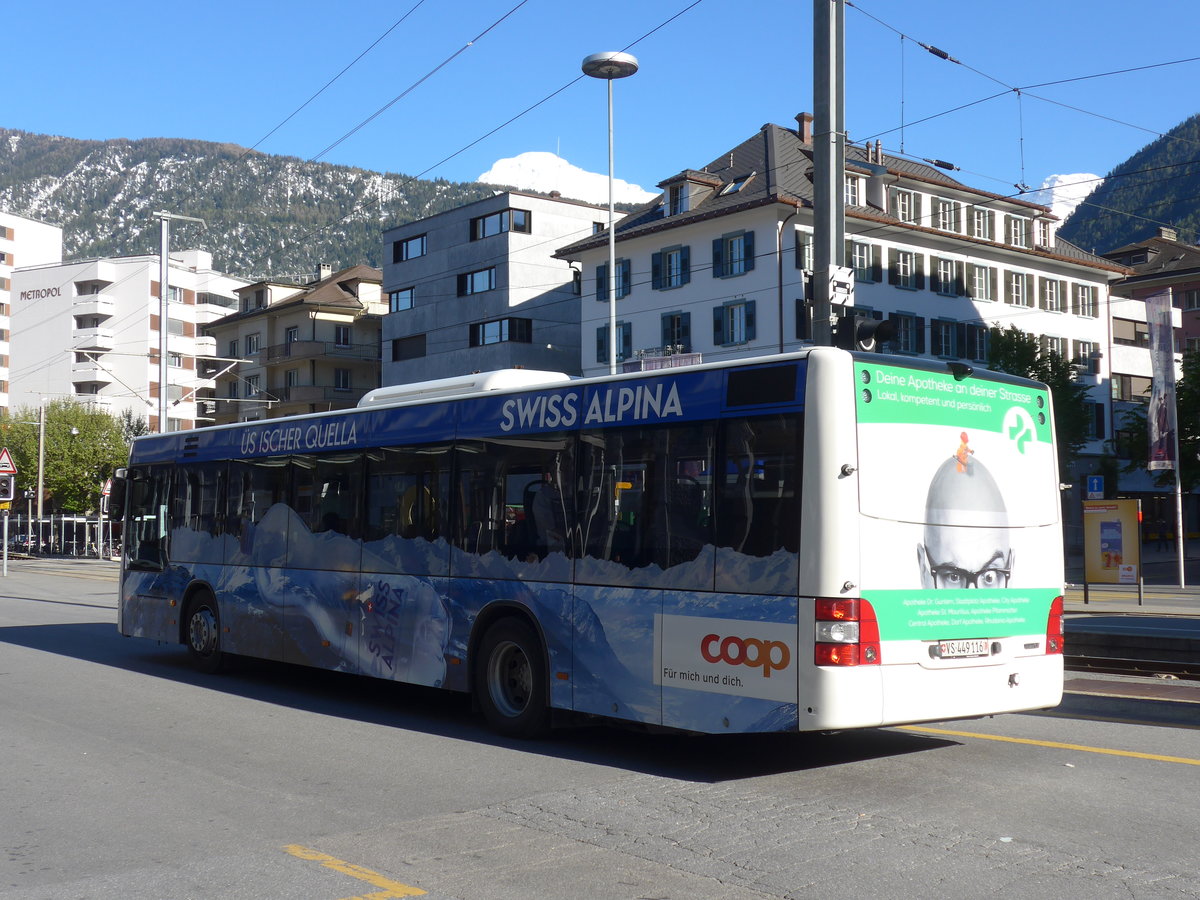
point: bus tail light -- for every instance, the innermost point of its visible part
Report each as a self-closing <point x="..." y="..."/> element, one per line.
<point x="1054" y="627"/>
<point x="847" y="633"/>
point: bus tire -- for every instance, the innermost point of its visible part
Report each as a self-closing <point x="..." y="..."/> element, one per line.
<point x="202" y="633"/>
<point x="511" y="681"/>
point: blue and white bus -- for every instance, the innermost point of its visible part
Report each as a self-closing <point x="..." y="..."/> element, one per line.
<point x="821" y="540"/>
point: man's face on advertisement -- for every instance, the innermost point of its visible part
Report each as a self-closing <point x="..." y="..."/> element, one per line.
<point x="959" y="558"/>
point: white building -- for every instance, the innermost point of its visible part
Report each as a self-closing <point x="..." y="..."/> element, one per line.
<point x="716" y="267"/>
<point x="23" y="242"/>
<point x="89" y="330"/>
<point x="477" y="288"/>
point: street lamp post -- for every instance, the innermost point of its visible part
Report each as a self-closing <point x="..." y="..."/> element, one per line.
<point x="610" y="66"/>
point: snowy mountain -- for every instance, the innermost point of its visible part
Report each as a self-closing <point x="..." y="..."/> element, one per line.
<point x="265" y="215"/>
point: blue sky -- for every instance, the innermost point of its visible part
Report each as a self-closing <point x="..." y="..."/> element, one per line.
<point x="710" y="76"/>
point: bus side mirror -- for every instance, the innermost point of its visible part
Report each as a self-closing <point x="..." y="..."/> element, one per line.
<point x="115" y="501"/>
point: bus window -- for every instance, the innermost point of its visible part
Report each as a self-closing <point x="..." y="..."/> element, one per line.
<point x="325" y="493"/>
<point x="256" y="516"/>
<point x="647" y="503"/>
<point x="514" y="498"/>
<point x="758" y="505"/>
<point x="146" y="528"/>
<point x="407" y="505"/>
<point x="197" y="512"/>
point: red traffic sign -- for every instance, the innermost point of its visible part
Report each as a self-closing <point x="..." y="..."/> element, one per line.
<point x="6" y="463"/>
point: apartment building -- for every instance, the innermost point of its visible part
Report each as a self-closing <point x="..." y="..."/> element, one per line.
<point x="718" y="266"/>
<point x="23" y="242"/>
<point x="89" y="331"/>
<point x="478" y="288"/>
<point x="297" y="349"/>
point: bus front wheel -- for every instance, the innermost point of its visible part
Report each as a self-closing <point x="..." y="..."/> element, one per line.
<point x="203" y="634"/>
<point x="510" y="680"/>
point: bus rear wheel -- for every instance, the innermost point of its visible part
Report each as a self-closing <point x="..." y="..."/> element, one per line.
<point x="511" y="681"/>
<point x="202" y="633"/>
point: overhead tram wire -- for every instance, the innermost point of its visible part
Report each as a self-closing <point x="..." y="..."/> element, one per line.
<point x="330" y="82"/>
<point x="379" y="201"/>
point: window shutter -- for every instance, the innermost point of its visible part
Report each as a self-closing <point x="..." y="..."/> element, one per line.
<point x="718" y="325"/>
<point x="935" y="276"/>
<point x="919" y="331"/>
<point x="625" y="285"/>
<point x="1043" y="288"/>
<point x="602" y="344"/>
<point x="960" y="279"/>
<point x="919" y="269"/>
<point x="916" y="207"/>
<point x="751" y="327"/>
<point x="462" y="285"/>
<point x="666" y="328"/>
<point x="685" y="331"/>
<point x="1074" y="307"/>
<point x="685" y="265"/>
<point x="1098" y="409"/>
<point x="801" y="320"/>
<point x="1008" y="281"/>
<point x="849" y="261"/>
<point x="1062" y="296"/>
<point x="718" y="266"/>
<point x="626" y="349"/>
<point x="602" y="281"/>
<point x="893" y="268"/>
<point x="799" y="248"/>
<point x="960" y="340"/>
<point x="876" y="265"/>
<point x="656" y="280"/>
<point x="894" y="205"/>
<point x="748" y="244"/>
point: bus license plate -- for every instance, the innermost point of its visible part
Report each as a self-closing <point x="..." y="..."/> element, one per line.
<point x="963" y="649"/>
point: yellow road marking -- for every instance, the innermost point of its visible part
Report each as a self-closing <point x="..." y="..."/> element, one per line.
<point x="1107" y="751"/>
<point x="390" y="888"/>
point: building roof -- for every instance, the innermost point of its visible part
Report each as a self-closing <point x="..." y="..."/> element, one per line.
<point x="776" y="166"/>
<point x="338" y="290"/>
<point x="1164" y="257"/>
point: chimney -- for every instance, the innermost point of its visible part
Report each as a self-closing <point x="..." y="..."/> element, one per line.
<point x="1168" y="234"/>
<point x="805" y="121"/>
<point x="324" y="270"/>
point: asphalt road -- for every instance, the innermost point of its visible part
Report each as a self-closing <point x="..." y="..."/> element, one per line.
<point x="127" y="775"/>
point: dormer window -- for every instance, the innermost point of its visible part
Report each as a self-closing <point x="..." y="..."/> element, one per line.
<point x="905" y="205"/>
<point x="1044" y="233"/>
<point x="677" y="199"/>
<point x="852" y="190"/>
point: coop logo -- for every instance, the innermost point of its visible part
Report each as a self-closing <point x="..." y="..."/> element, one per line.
<point x="770" y="656"/>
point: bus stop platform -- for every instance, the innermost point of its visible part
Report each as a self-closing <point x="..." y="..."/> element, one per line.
<point x="1116" y="630"/>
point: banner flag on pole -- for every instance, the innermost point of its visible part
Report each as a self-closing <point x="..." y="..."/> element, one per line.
<point x="1160" y="418"/>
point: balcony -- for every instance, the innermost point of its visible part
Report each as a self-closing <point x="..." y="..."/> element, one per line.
<point x="318" y="393"/>
<point x="295" y="350"/>
<point x="653" y="358"/>
<point x="96" y="402"/>
<point x="93" y="339"/>
<point x="93" y="305"/>
<point x="90" y="370"/>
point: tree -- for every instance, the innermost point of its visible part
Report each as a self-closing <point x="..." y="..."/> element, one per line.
<point x="83" y="447"/>
<point x="1135" y="442"/>
<point x="1020" y="353"/>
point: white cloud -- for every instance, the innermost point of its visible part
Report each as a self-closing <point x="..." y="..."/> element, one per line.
<point x="1062" y="193"/>
<point x="545" y="172"/>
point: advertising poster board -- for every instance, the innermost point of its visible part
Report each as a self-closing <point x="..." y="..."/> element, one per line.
<point x="1111" y="541"/>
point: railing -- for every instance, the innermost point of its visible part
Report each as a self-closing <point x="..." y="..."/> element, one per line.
<point x="309" y="349"/>
<point x="317" y="393"/>
<point x="667" y="357"/>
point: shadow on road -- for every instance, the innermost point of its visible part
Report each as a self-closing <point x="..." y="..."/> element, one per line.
<point x="706" y="758"/>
